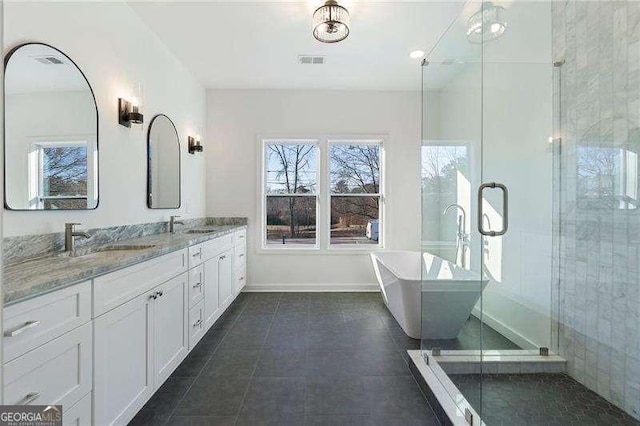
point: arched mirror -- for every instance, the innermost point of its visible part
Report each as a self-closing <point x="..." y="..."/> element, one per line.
<point x="163" y="179"/>
<point x="50" y="132"/>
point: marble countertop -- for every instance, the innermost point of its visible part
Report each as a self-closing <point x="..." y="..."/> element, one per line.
<point x="33" y="277"/>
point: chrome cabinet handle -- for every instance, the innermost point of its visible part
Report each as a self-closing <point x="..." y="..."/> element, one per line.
<point x="505" y="211"/>
<point x="154" y="296"/>
<point x="197" y="323"/>
<point x="241" y="279"/>
<point x="198" y="254"/>
<point x="21" y="329"/>
<point x="241" y="255"/>
<point x="159" y="293"/>
<point x="223" y="257"/>
<point x="29" y="398"/>
<point x="199" y="283"/>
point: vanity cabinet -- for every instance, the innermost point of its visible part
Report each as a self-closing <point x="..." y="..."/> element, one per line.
<point x="103" y="347"/>
<point x="138" y="345"/>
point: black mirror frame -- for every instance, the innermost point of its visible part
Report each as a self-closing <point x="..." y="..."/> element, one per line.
<point x="149" y="195"/>
<point x="4" y="127"/>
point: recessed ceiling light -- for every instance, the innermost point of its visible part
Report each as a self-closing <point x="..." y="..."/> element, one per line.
<point x="417" y="54"/>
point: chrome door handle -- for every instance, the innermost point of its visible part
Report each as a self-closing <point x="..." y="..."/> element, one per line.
<point x="21" y="329"/>
<point x="29" y="398"/>
<point x="505" y="209"/>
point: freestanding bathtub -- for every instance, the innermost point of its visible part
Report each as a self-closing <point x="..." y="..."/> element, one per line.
<point x="430" y="297"/>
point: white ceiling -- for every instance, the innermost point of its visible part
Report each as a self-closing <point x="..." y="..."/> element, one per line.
<point x="255" y="45"/>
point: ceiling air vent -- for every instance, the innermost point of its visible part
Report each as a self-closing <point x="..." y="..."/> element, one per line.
<point x="310" y="60"/>
<point x="48" y="60"/>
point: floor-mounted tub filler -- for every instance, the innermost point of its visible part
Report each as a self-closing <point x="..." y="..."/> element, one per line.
<point x="426" y="291"/>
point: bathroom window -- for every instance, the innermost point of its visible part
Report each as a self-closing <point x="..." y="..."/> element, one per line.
<point x="322" y="193"/>
<point x="290" y="194"/>
<point x="58" y="175"/>
<point x="355" y="194"/>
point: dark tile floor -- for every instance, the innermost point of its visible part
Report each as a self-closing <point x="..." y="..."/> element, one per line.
<point x="294" y="359"/>
<point x="537" y="399"/>
<point x="469" y="338"/>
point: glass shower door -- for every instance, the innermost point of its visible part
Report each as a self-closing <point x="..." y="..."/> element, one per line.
<point x="450" y="174"/>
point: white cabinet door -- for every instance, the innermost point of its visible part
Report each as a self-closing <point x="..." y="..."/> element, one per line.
<point x="79" y="414"/>
<point x="211" y="300"/>
<point x="123" y="357"/>
<point x="197" y="324"/>
<point x="57" y="373"/>
<point x="171" y="335"/>
<point x="225" y="278"/>
<point x="240" y="280"/>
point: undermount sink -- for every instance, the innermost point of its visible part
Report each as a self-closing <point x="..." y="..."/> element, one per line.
<point x="121" y="247"/>
<point x="199" y="231"/>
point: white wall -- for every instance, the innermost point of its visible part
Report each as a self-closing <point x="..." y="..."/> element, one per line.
<point x="115" y="50"/>
<point x="235" y="119"/>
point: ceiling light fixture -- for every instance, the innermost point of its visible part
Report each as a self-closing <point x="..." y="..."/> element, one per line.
<point x="487" y="24"/>
<point x="331" y="22"/>
<point x="417" y="54"/>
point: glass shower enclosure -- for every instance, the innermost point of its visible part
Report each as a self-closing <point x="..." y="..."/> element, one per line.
<point x="489" y="157"/>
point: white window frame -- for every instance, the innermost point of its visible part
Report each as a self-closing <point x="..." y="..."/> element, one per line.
<point x="36" y="166"/>
<point x="264" y="195"/>
<point x="381" y="223"/>
<point x="323" y="194"/>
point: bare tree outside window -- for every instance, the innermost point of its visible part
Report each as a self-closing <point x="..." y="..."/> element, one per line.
<point x="63" y="177"/>
<point x="355" y="193"/>
<point x="291" y="184"/>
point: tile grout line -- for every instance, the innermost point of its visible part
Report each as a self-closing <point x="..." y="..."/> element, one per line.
<point x="255" y="367"/>
<point x="208" y="359"/>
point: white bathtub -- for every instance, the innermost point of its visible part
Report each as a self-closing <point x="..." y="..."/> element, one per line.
<point x="438" y="298"/>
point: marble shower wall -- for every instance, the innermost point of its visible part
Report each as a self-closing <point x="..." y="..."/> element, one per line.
<point x="598" y="230"/>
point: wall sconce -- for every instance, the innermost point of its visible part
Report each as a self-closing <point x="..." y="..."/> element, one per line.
<point x="129" y="110"/>
<point x="194" y="144"/>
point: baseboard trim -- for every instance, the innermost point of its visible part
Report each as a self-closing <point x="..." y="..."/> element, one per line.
<point x="505" y="330"/>
<point x="312" y="288"/>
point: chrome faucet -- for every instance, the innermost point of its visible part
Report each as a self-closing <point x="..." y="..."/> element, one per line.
<point x="69" y="235"/>
<point x="462" y="238"/>
<point x="173" y="222"/>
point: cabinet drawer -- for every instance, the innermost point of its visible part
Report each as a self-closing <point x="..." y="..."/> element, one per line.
<point x="195" y="255"/>
<point x="196" y="285"/>
<point x="114" y="289"/>
<point x="79" y="414"/>
<point x="240" y="280"/>
<point x="35" y="322"/>
<point x="240" y="237"/>
<point x="196" y="324"/>
<point x="216" y="246"/>
<point x="240" y="257"/>
<point x="58" y="373"/>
